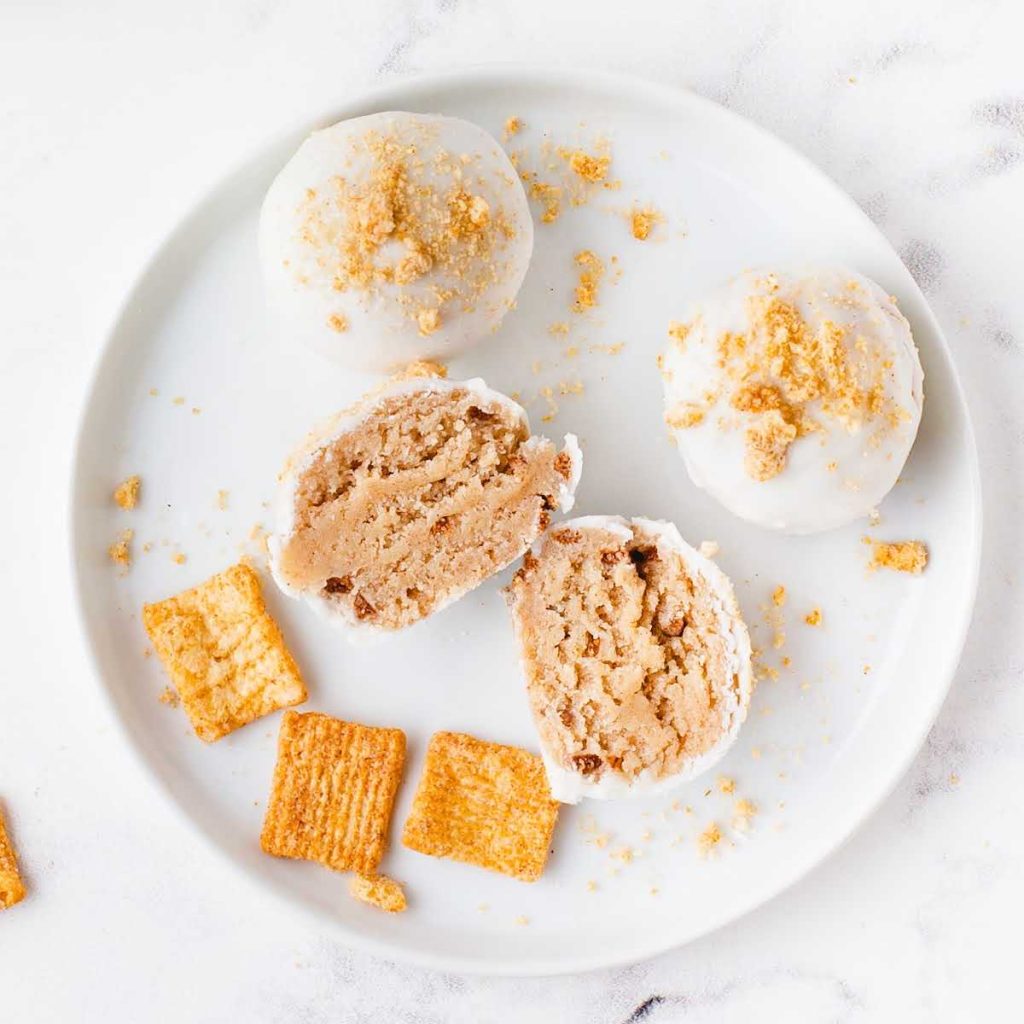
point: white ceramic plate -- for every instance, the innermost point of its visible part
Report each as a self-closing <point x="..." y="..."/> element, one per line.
<point x="823" y="744"/>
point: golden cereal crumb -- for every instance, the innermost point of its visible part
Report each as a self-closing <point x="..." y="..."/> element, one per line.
<point x="379" y="891"/>
<point x="153" y="392"/>
<point x="642" y="222"/>
<point x="12" y="889"/>
<point x="169" y="696"/>
<point x="178" y="558"/>
<point x="813" y="617"/>
<point x="120" y="551"/>
<point x="779" y="596"/>
<point x="709" y="838"/>
<point x="743" y="812"/>
<point x="954" y="779"/>
<point x="590" y="274"/>
<point x="126" y="495"/>
<point x="572" y="351"/>
<point x="429" y="320"/>
<point x="902" y="556"/>
<point x="178" y="401"/>
<point x="338" y="322"/>
<point x="593" y="169"/>
<point x="522" y="920"/>
<point x="591" y="886"/>
<point x="222" y="500"/>
<point x="726" y="785"/>
<point x="513" y="126"/>
<point x="624" y="854"/>
<point x="559" y="328"/>
<point x="224" y="653"/>
<point x="550" y="197"/>
<point x="684" y="415"/>
<point x="196" y="410"/>
<point x="678" y="331"/>
<point x="611" y="350"/>
<point x="767" y="446"/>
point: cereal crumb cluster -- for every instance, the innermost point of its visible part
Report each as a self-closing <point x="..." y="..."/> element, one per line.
<point x="909" y="556"/>
<point x="126" y="494"/>
<point x="379" y="891"/>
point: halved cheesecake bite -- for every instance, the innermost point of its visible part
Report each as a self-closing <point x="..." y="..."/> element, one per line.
<point x="637" y="660"/>
<point x="401" y="505"/>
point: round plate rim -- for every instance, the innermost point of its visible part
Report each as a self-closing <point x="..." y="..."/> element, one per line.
<point x="380" y="98"/>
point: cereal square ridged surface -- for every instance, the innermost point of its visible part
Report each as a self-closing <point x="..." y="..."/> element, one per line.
<point x="485" y="804"/>
<point x="11" y="888"/>
<point x="334" y="787"/>
<point x="224" y="653"/>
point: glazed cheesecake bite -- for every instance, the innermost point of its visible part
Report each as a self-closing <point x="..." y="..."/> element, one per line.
<point x="406" y="502"/>
<point x="637" y="660"/>
<point x="794" y="398"/>
<point x="394" y="237"/>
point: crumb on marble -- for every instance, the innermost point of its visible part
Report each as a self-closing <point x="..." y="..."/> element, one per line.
<point x="120" y="552"/>
<point x="813" y="617"/>
<point x="910" y="556"/>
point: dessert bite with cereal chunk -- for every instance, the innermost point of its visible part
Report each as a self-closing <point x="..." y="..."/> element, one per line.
<point x="485" y="804"/>
<point x="394" y="237"/>
<point x="333" y="790"/>
<point x="400" y="506"/>
<point x="794" y="397"/>
<point x="637" y="660"/>
<point x="224" y="653"/>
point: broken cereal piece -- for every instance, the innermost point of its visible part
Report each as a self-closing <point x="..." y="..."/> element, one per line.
<point x="224" y="653"/>
<point x="485" y="804"/>
<point x="126" y="494"/>
<point x="642" y="221"/>
<point x="513" y="126"/>
<point x="813" y="617"/>
<point x="379" y="891"/>
<point x="590" y="274"/>
<point x="902" y="556"/>
<point x="12" y="890"/>
<point x="120" y="552"/>
<point x="333" y="791"/>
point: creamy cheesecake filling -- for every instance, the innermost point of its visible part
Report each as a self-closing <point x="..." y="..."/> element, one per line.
<point x="423" y="499"/>
<point x="629" y="672"/>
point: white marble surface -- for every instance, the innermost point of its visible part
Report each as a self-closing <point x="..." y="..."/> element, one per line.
<point x="113" y="116"/>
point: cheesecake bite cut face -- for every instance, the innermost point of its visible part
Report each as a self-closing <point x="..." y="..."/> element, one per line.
<point x="637" y="661"/>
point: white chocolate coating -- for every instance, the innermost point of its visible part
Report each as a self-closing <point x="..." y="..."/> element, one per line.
<point x="841" y="470"/>
<point x="318" y="204"/>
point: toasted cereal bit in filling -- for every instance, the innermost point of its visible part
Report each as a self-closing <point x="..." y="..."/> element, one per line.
<point x="781" y="366"/>
<point x="590" y="274"/>
<point x="126" y="495"/>
<point x="902" y="556"/>
<point x="429" y="494"/>
<point x="410" y="218"/>
<point x="379" y="891"/>
<point x="120" y="552"/>
<point x="627" y="668"/>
